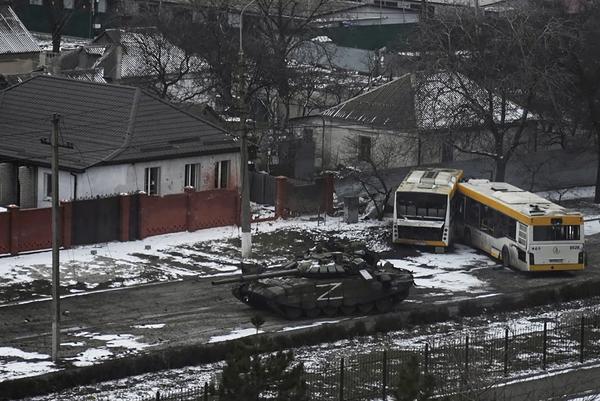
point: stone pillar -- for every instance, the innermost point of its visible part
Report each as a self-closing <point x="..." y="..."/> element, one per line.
<point x="281" y="203"/>
<point x="13" y="247"/>
<point x="142" y="225"/>
<point x="27" y="187"/>
<point x="8" y="184"/>
<point x="124" y="215"/>
<point x="188" y="207"/>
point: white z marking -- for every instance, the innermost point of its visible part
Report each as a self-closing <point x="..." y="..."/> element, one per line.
<point x="333" y="286"/>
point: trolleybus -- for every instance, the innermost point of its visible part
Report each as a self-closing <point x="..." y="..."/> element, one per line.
<point x="423" y="212"/>
<point x="521" y="229"/>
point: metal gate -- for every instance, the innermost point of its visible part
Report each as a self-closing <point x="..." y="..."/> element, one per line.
<point x="95" y="220"/>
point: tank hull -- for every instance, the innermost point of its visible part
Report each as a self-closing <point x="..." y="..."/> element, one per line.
<point x="295" y="297"/>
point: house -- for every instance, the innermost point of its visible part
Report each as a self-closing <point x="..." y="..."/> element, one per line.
<point x="19" y="53"/>
<point x="409" y="114"/>
<point x="123" y="140"/>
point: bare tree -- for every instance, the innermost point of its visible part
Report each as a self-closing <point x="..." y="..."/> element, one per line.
<point x="167" y="70"/>
<point x="576" y="89"/>
<point x="369" y="160"/>
<point x="481" y="77"/>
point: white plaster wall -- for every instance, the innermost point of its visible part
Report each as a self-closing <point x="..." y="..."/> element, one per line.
<point x="18" y="65"/>
<point x="65" y="186"/>
<point x="123" y="178"/>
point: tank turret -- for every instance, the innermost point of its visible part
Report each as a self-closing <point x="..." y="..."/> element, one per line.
<point x="324" y="283"/>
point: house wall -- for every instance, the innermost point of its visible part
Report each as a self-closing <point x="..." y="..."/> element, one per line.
<point x="8" y="184"/>
<point x="66" y="185"/>
<point x="126" y="178"/>
<point x="11" y="64"/>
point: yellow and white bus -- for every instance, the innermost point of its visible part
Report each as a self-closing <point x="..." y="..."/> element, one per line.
<point x="521" y="229"/>
<point x="423" y="212"/>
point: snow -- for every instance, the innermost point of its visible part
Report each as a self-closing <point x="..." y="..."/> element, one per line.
<point x="149" y="326"/>
<point x="315" y="324"/>
<point x="449" y="272"/>
<point x="591" y="225"/>
<point x="238" y="333"/>
<point x="91" y="356"/>
<point x="16" y="363"/>
<point x="568" y="193"/>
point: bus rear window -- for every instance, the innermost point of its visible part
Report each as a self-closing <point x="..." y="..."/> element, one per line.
<point x="556" y="233"/>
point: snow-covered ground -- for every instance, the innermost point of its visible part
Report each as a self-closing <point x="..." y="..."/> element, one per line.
<point x="44" y="41"/>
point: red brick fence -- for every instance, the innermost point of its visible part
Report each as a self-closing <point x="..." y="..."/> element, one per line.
<point x="137" y="216"/>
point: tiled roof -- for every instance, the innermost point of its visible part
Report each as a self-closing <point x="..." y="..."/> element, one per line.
<point x="108" y="124"/>
<point x="14" y="37"/>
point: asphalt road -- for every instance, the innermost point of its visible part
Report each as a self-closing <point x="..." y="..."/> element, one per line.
<point x="194" y="311"/>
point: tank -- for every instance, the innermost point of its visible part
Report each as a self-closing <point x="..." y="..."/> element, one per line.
<point x="329" y="284"/>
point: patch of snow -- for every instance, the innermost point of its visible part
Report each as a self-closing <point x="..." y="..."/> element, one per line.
<point x="149" y="326"/>
<point x="72" y="344"/>
<point x="450" y="272"/>
<point x="91" y="356"/>
<point x="239" y="333"/>
<point x="127" y="341"/>
<point x="315" y="324"/>
<point x="568" y="193"/>
<point x="17" y="353"/>
<point x="591" y="225"/>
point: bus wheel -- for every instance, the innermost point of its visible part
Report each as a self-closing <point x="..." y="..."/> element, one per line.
<point x="505" y="257"/>
<point x="467" y="237"/>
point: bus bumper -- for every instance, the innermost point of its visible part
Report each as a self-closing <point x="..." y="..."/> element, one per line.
<point x="556" y="267"/>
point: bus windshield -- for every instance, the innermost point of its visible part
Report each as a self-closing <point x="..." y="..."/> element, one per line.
<point x="556" y="233"/>
<point x="421" y="205"/>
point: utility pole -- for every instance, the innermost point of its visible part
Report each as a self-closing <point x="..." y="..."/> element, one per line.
<point x="56" y="235"/>
<point x="245" y="209"/>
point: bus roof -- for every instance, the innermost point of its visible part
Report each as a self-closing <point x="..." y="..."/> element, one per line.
<point x="431" y="180"/>
<point x="524" y="206"/>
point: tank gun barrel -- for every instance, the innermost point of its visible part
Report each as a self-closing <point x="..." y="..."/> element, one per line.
<point x="243" y="278"/>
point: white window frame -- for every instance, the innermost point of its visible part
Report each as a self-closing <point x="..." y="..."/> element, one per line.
<point x="148" y="187"/>
<point x="192" y="175"/>
<point x="222" y="174"/>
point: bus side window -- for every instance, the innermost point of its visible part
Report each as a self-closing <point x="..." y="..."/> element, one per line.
<point x="472" y="212"/>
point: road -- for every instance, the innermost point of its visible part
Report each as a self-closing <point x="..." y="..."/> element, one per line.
<point x="194" y="311"/>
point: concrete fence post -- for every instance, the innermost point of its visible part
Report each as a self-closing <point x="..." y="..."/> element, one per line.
<point x="141" y="218"/>
<point x="188" y="207"/>
<point x="124" y="216"/>
<point x="281" y="197"/>
<point x="13" y="215"/>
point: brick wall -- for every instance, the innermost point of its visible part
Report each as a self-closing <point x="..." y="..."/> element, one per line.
<point x="30" y="229"/>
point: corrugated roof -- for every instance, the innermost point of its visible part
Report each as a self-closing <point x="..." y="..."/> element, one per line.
<point x="14" y="37"/>
<point x="108" y="124"/>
